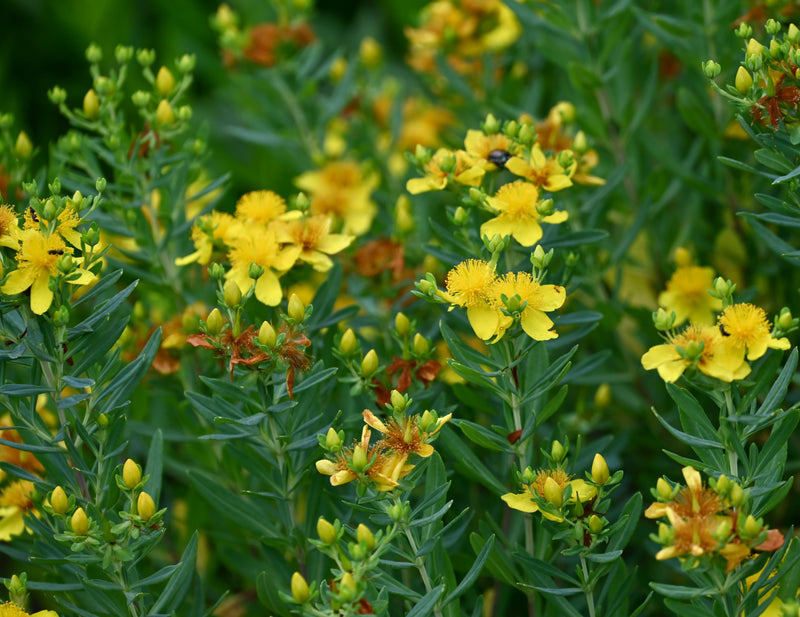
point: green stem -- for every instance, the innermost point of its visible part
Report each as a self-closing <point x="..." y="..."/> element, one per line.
<point x="419" y="562"/>
<point x="587" y="588"/>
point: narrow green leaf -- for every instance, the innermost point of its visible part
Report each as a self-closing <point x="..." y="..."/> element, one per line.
<point x="681" y="592"/>
<point x="178" y="585"/>
<point x="778" y="390"/>
<point x="155" y="464"/>
<point x="482" y="436"/>
<point x="686" y="437"/>
<point x="469" y="464"/>
<point x="473" y="573"/>
<point x="424" y="608"/>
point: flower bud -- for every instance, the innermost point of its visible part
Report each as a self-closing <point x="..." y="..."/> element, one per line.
<point x="754" y="48"/>
<point x="145" y="506"/>
<point x="723" y="485"/>
<point x="347" y="587"/>
<point x="300" y="591"/>
<point x="91" y="104"/>
<point x="164" y="113"/>
<point x="460" y="216"/>
<point x="131" y="474"/>
<point x="370" y="52"/>
<point x="723" y="530"/>
<point x="528" y="476"/>
<point x="266" y="335"/>
<point x="61" y="317"/>
<point x="600" y="473"/>
<point x="18" y="589"/>
<point x="146" y="57"/>
<point x="102" y="420"/>
<point x="662" y="320"/>
<point x="338" y="69"/>
<point x="751" y="528"/>
<point x="94" y="54"/>
<point x="595" y="524"/>
<point x="364" y="535"/>
<point x="527" y="134"/>
<point x="140" y="98"/>
<point x="793" y="34"/>
<point x="214" y="322"/>
<point x="348" y="344"/>
<point x="186" y="63"/>
<point x="23" y="146"/>
<point x="398" y="401"/>
<point x="359" y="459"/>
<point x="296" y="309"/>
<point x="231" y="293"/>
<point x="490" y="126"/>
<point x="123" y="53"/>
<point x="79" y="523"/>
<point x="664" y="490"/>
<point x="395" y="512"/>
<point x="165" y="82"/>
<point x="421" y="345"/>
<point x="579" y="143"/>
<point x="57" y="95"/>
<point x="58" y="500"/>
<point x="428" y="421"/>
<point x="602" y="396"/>
<point x="370" y="363"/>
<point x="401" y="324"/>
<point x="326" y="531"/>
<point x="511" y="128"/>
<point x="772" y="27"/>
<point x="785" y="319"/>
<point x="553" y="492"/>
<point x="557" y="451"/>
<point x="736" y="496"/>
<point x="743" y="81"/>
<point x="333" y="441"/>
<point x="665" y="534"/>
<point x="255" y="271"/>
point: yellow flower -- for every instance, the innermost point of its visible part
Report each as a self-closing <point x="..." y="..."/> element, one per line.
<point x="260" y="246"/>
<point x="9" y="609"/>
<point x="407" y="438"/>
<point x="688" y="295"/>
<point x="208" y="232"/>
<point x="518" y="217"/>
<point x="746" y="327"/>
<point x="37" y="261"/>
<point x="531" y="303"/>
<point x="468" y="287"/>
<point x="9" y="227"/>
<point x="342" y="188"/>
<point x="446" y="165"/>
<point x="542" y="486"/>
<point x="479" y="146"/>
<point x="544" y="172"/>
<point x="68" y="219"/>
<point x="703" y="347"/>
<point x="262" y="207"/>
<point x="15" y="501"/>
<point x="312" y="235"/>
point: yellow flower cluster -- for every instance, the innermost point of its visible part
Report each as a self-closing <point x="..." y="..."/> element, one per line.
<point x="44" y="249"/>
<point x="385" y="462"/>
<point x="494" y="303"/>
<point x="708" y="521"/>
<point x="263" y="232"/>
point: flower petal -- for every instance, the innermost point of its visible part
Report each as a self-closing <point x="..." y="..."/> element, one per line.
<point x="520" y="501"/>
<point x="484" y="321"/>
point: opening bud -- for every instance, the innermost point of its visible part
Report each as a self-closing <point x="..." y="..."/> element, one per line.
<point x="145" y="506"/>
<point x="793" y="34"/>
<point x="711" y="69"/>
<point x="326" y="531"/>
<point x="528" y="476"/>
<point x="428" y="421"/>
<point x="600" y="473"/>
<point x="540" y="259"/>
<point x="79" y="523"/>
<point x="131" y="474"/>
<point x="364" y="536"/>
<point x="59" y="501"/>
<point x="460" y="216"/>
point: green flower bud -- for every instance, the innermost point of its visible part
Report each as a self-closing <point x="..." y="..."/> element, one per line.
<point x="57" y="95"/>
<point x="398" y="401"/>
<point x="102" y="420"/>
<point x="744" y="31"/>
<point x="100" y="185"/>
<point x="23" y="146"/>
<point x="359" y="459"/>
<point x="395" y="513"/>
<point x="511" y="128"/>
<point x="186" y="63"/>
<point x="255" y="271"/>
<point x="146" y="57"/>
<point x="528" y="476"/>
<point x="736" y="496"/>
<point x="61" y="317"/>
<point x="664" y="490"/>
<point x="140" y="98"/>
<point x="772" y="26"/>
<point x="557" y="451"/>
<point x="595" y="524"/>
<point x="460" y="216"/>
<point x="490" y="125"/>
<point x="428" y="421"/>
<point x="347" y="588"/>
<point x="333" y="441"/>
<point x="123" y="53"/>
<point x="164" y="113"/>
<point x="662" y="320"/>
<point x="370" y="52"/>
<point x="94" y="54"/>
<point x="793" y="34"/>
<point x="545" y="207"/>
<point x="785" y="319"/>
<point x="540" y="259"/>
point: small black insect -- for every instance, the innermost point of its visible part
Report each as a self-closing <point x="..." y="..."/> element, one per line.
<point x="723" y="331"/>
<point x="33" y="214"/>
<point x="499" y="157"/>
<point x="56" y="252"/>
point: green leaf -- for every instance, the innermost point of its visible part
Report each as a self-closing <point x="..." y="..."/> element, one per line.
<point x="773" y="160"/>
<point x="778" y="390"/>
<point x="424" y="608"/>
<point x="267" y="590"/>
<point x="473" y="573"/>
<point x="680" y="592"/>
<point x="498" y="564"/>
<point x="686" y="437"/>
<point x="685" y="609"/>
<point x="178" y="585"/>
<point x="116" y="393"/>
<point x="155" y="464"/>
<point x="693" y="417"/>
<point x="468" y="463"/>
<point x="482" y="436"/>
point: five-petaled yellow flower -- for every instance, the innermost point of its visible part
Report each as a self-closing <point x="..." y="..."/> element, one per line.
<point x="549" y="485"/>
<point x="37" y="261"/>
<point x="312" y="235"/>
<point x="687" y="294"/>
<point x="531" y="300"/>
<point x="746" y="327"/>
<point x="444" y="166"/>
<point x="468" y="286"/>
<point x="543" y="171"/>
<point x="517" y="215"/>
